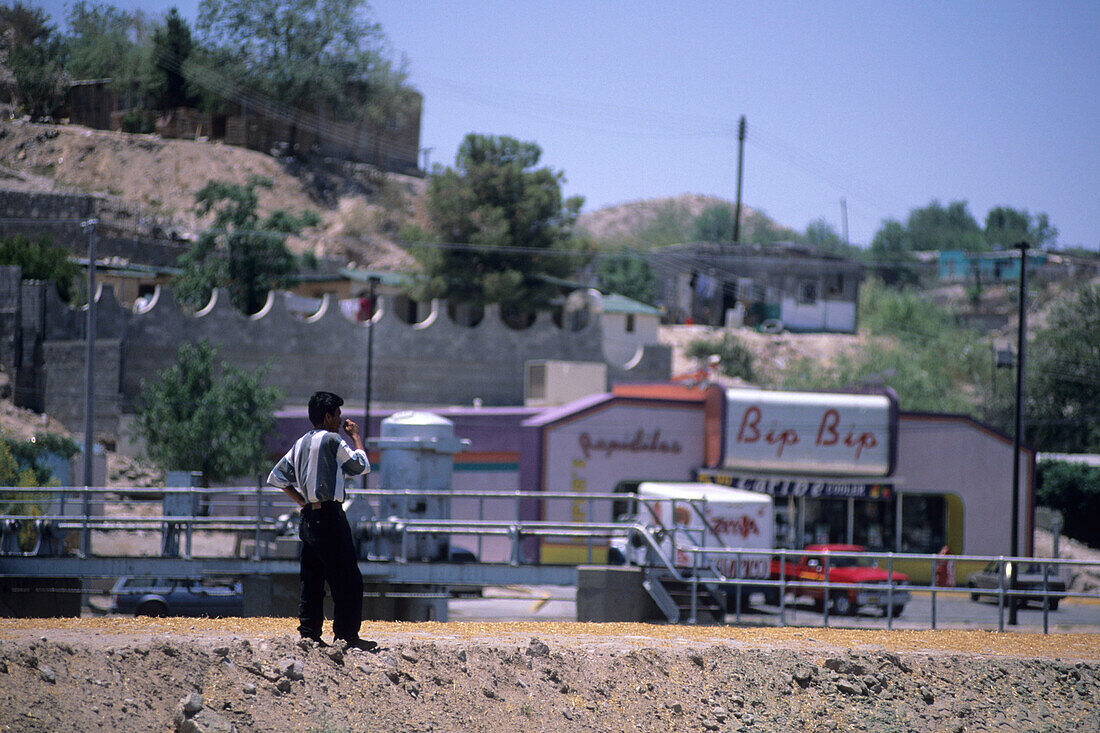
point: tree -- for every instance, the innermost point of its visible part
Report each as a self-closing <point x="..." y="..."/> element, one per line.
<point x="937" y="228"/>
<point x="14" y="473"/>
<point x="107" y="43"/>
<point x="822" y="235"/>
<point x="39" y="260"/>
<point x="1005" y="227"/>
<point x="761" y="229"/>
<point x="1074" y="490"/>
<point x="240" y="251"/>
<point x="512" y="218"/>
<point x="32" y="458"/>
<point x="715" y="223"/>
<point x="1063" y="399"/>
<point x="627" y="273"/>
<point x="172" y="46"/>
<point x="196" y="417"/>
<point x="305" y="55"/>
<point x="31" y="61"/>
<point x="891" y="252"/>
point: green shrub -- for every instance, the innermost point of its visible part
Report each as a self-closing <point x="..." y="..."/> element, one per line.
<point x="1074" y="490"/>
<point x="39" y="259"/>
<point x="137" y="121"/>
<point x="735" y="359"/>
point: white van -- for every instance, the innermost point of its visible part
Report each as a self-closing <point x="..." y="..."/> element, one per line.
<point x="690" y="515"/>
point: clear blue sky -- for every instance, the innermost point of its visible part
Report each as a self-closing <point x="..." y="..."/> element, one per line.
<point x="886" y="104"/>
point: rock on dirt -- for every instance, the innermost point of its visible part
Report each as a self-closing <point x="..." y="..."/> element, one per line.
<point x="234" y="675"/>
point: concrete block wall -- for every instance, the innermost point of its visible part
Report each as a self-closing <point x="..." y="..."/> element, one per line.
<point x="63" y="377"/>
<point x="11" y="310"/>
<point x="434" y="362"/>
<point x="58" y="215"/>
<point x="23" y="211"/>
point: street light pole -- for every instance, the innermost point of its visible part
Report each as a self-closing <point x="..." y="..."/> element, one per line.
<point x="371" y="281"/>
<point x="89" y="388"/>
<point x="1021" y="346"/>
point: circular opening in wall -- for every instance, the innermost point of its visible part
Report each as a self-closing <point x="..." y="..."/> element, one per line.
<point x="465" y="314"/>
<point x="410" y="311"/>
<point x="517" y="319"/>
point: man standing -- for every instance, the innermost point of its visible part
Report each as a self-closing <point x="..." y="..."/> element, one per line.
<point x="312" y="473"/>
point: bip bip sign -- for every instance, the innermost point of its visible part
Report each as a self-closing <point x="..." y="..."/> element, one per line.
<point x="817" y="433"/>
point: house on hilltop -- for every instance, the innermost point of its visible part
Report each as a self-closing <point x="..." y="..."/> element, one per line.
<point x="789" y="286"/>
<point x="393" y="146"/>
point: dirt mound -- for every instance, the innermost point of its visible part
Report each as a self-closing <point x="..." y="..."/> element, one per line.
<point x="249" y="674"/>
<point x="772" y="352"/>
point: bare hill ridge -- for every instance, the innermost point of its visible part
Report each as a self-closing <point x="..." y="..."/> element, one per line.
<point x="621" y="220"/>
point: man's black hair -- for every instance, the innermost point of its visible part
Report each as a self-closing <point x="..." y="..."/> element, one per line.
<point x="321" y="404"/>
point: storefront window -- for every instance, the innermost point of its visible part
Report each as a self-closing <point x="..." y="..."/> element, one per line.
<point x="923" y="522"/>
<point x="826" y="521"/>
<point x="874" y="525"/>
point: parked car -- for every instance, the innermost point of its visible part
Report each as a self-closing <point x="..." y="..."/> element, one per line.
<point x="845" y="569"/>
<point x="177" y="597"/>
<point x="1029" y="577"/>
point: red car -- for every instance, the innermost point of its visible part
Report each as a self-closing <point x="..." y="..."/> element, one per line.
<point x="845" y="569"/>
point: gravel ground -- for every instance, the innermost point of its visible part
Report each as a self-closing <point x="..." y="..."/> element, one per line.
<point x="255" y="675"/>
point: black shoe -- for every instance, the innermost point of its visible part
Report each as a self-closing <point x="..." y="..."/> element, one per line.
<point x="318" y="640"/>
<point x="363" y="645"/>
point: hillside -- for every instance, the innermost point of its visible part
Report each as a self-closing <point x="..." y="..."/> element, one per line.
<point x="147" y="179"/>
<point x="622" y="223"/>
<point x="621" y="220"/>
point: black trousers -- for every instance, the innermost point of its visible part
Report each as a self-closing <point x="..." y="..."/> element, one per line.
<point x="328" y="556"/>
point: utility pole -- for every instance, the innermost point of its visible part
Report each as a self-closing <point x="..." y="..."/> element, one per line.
<point x="1021" y="345"/>
<point x="89" y="387"/>
<point x="740" y="169"/>
<point x="844" y="218"/>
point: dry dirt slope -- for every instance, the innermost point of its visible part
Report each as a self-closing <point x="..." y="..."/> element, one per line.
<point x="246" y="675"/>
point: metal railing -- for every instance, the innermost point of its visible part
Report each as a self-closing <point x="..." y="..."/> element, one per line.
<point x="260" y="514"/>
<point x="1052" y="571"/>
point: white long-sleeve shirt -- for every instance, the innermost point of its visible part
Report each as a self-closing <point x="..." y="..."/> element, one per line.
<point x="317" y="465"/>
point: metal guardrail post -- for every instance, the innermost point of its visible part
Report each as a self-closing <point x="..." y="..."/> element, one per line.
<point x="588" y="540"/>
<point x="1001" y="594"/>
<point x="740" y="586"/>
<point x="256" y="554"/>
<point x="480" y="516"/>
<point x="694" y="619"/>
<point x="782" y="589"/>
<point x="890" y="592"/>
<point x="85" y="529"/>
<point x="933" y="576"/>
<point x="514" y="554"/>
<point x="1046" y="600"/>
<point x="193" y="501"/>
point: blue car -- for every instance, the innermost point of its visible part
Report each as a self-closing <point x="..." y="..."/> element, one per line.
<point x="177" y="597"/>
